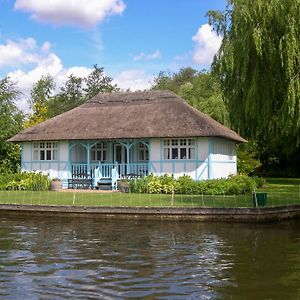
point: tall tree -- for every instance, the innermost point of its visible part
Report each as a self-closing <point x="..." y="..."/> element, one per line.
<point x="71" y="95"/>
<point x="10" y="123"/>
<point x="40" y="95"/>
<point x="258" y="66"/>
<point x="199" y="89"/>
<point x="98" y="82"/>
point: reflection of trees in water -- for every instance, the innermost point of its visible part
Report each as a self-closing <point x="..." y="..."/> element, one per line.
<point x="157" y="258"/>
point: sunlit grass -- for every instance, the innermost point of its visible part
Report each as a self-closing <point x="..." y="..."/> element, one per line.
<point x="280" y="192"/>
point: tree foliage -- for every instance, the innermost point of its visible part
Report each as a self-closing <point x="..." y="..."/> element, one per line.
<point x="97" y="82"/>
<point x="71" y="95"/>
<point x="258" y="67"/>
<point x="40" y="95"/>
<point x="10" y="123"/>
<point x="199" y="89"/>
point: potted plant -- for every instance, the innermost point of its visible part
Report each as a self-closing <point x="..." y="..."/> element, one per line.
<point x="55" y="184"/>
<point x="123" y="185"/>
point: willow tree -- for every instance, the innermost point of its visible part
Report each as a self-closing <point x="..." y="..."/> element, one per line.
<point x="258" y="66"/>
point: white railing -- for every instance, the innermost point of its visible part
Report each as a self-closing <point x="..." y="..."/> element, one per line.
<point x="140" y="169"/>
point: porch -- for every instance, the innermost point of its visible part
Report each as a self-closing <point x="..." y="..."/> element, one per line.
<point x="107" y="162"/>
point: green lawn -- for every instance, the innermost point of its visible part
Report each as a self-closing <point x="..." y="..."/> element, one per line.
<point x="280" y="192"/>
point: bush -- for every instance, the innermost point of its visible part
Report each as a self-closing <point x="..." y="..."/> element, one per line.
<point x="166" y="184"/>
<point x="27" y="181"/>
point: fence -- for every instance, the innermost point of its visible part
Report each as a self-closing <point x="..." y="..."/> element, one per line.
<point x="290" y="195"/>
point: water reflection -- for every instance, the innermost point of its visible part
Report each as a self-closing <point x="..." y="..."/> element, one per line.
<point x="82" y="258"/>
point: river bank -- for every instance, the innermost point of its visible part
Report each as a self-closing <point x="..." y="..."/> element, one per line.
<point x="260" y="215"/>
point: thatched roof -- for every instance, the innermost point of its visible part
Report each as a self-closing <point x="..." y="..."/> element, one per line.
<point x="128" y="115"/>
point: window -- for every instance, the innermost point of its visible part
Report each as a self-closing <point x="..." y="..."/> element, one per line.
<point x="179" y="148"/>
<point x="222" y="147"/>
<point x="45" y="151"/>
<point x="99" y="152"/>
<point x="143" y="152"/>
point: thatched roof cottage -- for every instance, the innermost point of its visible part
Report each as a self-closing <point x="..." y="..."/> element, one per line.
<point x="135" y="132"/>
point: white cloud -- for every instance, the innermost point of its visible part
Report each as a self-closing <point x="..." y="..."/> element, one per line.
<point x="83" y="13"/>
<point x="151" y="56"/>
<point x="25" y="54"/>
<point x="39" y="60"/>
<point x="207" y="43"/>
<point x="21" y="52"/>
<point x="49" y="65"/>
<point x="134" y="80"/>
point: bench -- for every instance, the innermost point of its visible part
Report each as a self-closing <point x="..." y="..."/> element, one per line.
<point x="80" y="181"/>
<point x="131" y="176"/>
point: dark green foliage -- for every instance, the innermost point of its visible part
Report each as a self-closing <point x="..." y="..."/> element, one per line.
<point x="24" y="181"/>
<point x="97" y="82"/>
<point x="10" y="123"/>
<point x="166" y="184"/>
<point x="247" y="158"/>
<point x="71" y="95"/>
<point x="200" y="89"/>
<point x="258" y="66"/>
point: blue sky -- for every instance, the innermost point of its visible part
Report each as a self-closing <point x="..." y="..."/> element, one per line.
<point x="132" y="39"/>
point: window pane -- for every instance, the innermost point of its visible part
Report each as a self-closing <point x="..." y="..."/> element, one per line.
<point x="191" y="153"/>
<point x="182" y="142"/>
<point x="166" y="153"/>
<point x="191" y="142"/>
<point x="166" y="142"/>
<point x="48" y="145"/>
<point x="174" y="142"/>
<point x="54" y="145"/>
<point x="48" y="154"/>
<point x="98" y="155"/>
<point x="42" y="145"/>
<point x="183" y="153"/>
<point x="55" y="154"/>
<point x="104" y="155"/>
<point x="42" y="155"/>
<point x="35" y="145"/>
<point x="93" y="155"/>
<point x="35" y="155"/>
<point x="174" y="153"/>
<point x="141" y="156"/>
<point x="147" y="155"/>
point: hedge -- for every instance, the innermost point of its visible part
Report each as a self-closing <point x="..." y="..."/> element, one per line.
<point x="166" y="184"/>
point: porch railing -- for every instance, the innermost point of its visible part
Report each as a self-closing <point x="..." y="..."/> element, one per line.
<point x="140" y="169"/>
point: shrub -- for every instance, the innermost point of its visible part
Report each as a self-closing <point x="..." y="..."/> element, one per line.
<point x="28" y="181"/>
<point x="238" y="184"/>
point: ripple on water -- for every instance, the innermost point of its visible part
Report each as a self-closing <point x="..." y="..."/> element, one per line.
<point x="80" y="259"/>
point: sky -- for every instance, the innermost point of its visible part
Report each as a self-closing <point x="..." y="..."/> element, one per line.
<point x="132" y="39"/>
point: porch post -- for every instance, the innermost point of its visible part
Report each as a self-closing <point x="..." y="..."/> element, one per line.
<point x="127" y="157"/>
<point x="88" y="159"/>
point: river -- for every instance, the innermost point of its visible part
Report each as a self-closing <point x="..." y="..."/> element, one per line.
<point x="88" y="258"/>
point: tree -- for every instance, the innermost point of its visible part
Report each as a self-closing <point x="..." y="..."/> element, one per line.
<point x="258" y="65"/>
<point x="97" y="82"/>
<point x="10" y="123"/>
<point x="71" y="95"/>
<point x="199" y="89"/>
<point x="40" y="95"/>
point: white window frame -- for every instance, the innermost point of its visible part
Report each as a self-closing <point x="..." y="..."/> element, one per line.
<point x="99" y="152"/>
<point x="179" y="149"/>
<point x="143" y="152"/>
<point x="45" y="151"/>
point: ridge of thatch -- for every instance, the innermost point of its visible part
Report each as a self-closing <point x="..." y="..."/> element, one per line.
<point x="128" y="115"/>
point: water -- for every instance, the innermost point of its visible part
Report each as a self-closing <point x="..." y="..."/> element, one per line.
<point x="86" y="258"/>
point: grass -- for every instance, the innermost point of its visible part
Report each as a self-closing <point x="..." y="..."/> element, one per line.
<point x="280" y="192"/>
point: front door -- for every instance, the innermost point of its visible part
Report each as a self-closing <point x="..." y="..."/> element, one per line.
<point x="120" y="157"/>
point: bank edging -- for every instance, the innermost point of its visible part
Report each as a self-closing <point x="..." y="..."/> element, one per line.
<point x="264" y="214"/>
